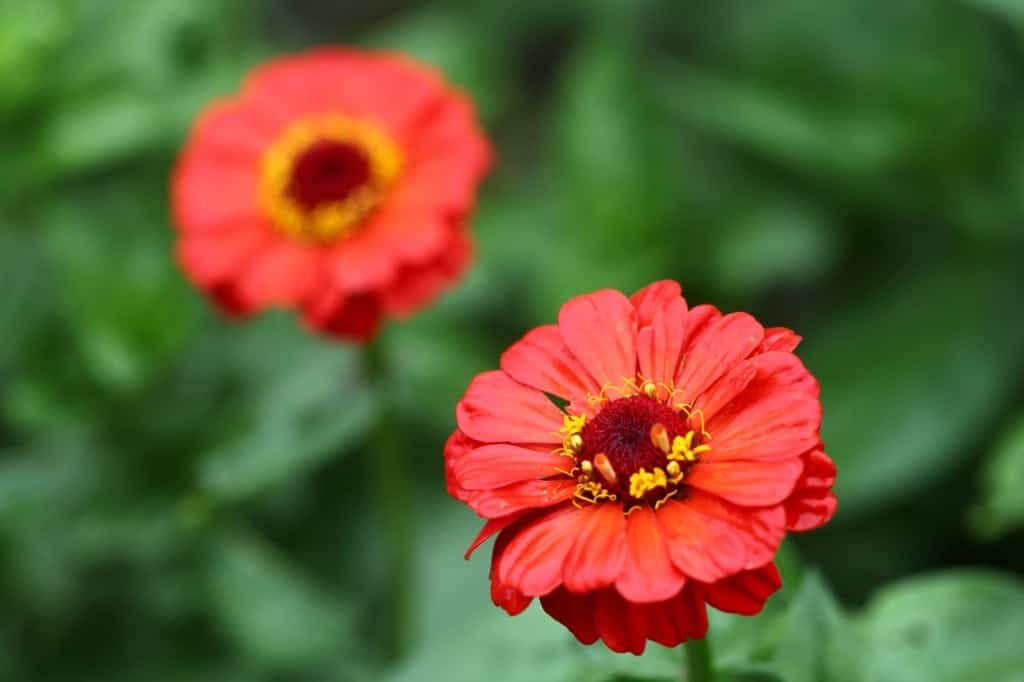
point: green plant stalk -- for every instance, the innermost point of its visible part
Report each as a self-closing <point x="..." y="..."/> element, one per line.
<point x="391" y="494"/>
<point x="698" y="661"/>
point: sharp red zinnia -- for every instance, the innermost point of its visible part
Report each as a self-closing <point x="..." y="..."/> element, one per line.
<point x="337" y="182"/>
<point x="687" y="446"/>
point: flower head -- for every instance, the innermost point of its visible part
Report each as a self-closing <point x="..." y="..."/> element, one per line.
<point x="684" y="446"/>
<point x="336" y="182"/>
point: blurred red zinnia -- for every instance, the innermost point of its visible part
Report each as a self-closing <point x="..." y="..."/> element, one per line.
<point x="687" y="446"/>
<point x="338" y="183"/>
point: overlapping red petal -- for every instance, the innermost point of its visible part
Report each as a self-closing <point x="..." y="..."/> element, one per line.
<point x="621" y="575"/>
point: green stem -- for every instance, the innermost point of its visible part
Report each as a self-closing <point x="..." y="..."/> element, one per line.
<point x="698" y="661"/>
<point x="391" y="491"/>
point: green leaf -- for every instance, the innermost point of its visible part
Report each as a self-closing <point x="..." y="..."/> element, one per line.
<point x="947" y="627"/>
<point x="127" y="305"/>
<point x="305" y="403"/>
<point x="1001" y="508"/>
<point x="269" y="609"/>
<point x="815" y="642"/>
<point x="910" y="375"/>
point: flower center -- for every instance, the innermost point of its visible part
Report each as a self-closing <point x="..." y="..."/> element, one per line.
<point x="323" y="176"/>
<point x="636" y="449"/>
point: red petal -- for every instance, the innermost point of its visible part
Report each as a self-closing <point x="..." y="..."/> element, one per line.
<point x="499" y="464"/>
<point x="677" y="620"/>
<point x="600" y="330"/>
<point x="784" y="371"/>
<point x="621" y="627"/>
<point x="532" y="562"/>
<point x="779" y="338"/>
<point x="655" y="298"/>
<point x="745" y="592"/>
<point x="697" y="322"/>
<point x="596" y="557"/>
<point x="542" y="361"/>
<point x="751" y="484"/>
<point x="722" y="392"/>
<point x="355" y="316"/>
<point x="518" y="496"/>
<point x="503" y="595"/>
<point x="446" y="158"/>
<point x="214" y="258"/>
<point x="765" y="425"/>
<point x="648" y="574"/>
<point x="574" y="611"/>
<point x="625" y="626"/>
<point x="415" y="286"/>
<point x="727" y="340"/>
<point x="497" y="409"/>
<point x="709" y="538"/>
<point x="389" y="90"/>
<point x="703" y="548"/>
<point x="282" y="275"/>
<point x="492" y="527"/>
<point x="812" y="503"/>
<point x="660" y="344"/>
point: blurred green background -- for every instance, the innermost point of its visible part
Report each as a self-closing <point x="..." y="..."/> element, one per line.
<point x="186" y="499"/>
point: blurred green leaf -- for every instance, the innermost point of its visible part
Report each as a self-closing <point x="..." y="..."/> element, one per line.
<point x="306" y="402"/>
<point x="117" y="284"/>
<point x="910" y="374"/>
<point x="945" y="627"/>
<point x="815" y="642"/>
<point x="29" y="36"/>
<point x="1001" y="508"/>
<point x="269" y="609"/>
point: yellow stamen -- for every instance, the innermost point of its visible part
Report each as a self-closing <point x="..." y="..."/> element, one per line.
<point x="650" y="389"/>
<point x="684" y="450"/>
<point x="643" y="482"/>
<point x="674" y="471"/>
<point x="592" y="492"/>
<point x="588" y="469"/>
<point x="331" y="220"/>
<point x="574" y="443"/>
<point x="572" y="425"/>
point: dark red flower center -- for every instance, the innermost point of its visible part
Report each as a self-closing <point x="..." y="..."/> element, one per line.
<point x="328" y="171"/>
<point x="622" y="431"/>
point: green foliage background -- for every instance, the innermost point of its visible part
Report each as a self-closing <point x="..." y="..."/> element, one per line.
<point x="184" y="499"/>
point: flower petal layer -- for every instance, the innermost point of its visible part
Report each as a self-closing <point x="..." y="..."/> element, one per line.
<point x="600" y="330"/>
<point x="497" y="409"/>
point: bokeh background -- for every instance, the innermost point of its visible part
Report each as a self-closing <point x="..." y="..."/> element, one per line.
<point x="188" y="499"/>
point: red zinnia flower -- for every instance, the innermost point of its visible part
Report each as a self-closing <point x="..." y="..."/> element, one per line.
<point x="337" y="182"/>
<point x="687" y="446"/>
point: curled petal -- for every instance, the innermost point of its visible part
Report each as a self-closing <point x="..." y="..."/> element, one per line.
<point x="533" y="559"/>
<point x="812" y="503"/>
<point x="779" y="338"/>
<point x="745" y="592"/>
<point x="624" y="626"/>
